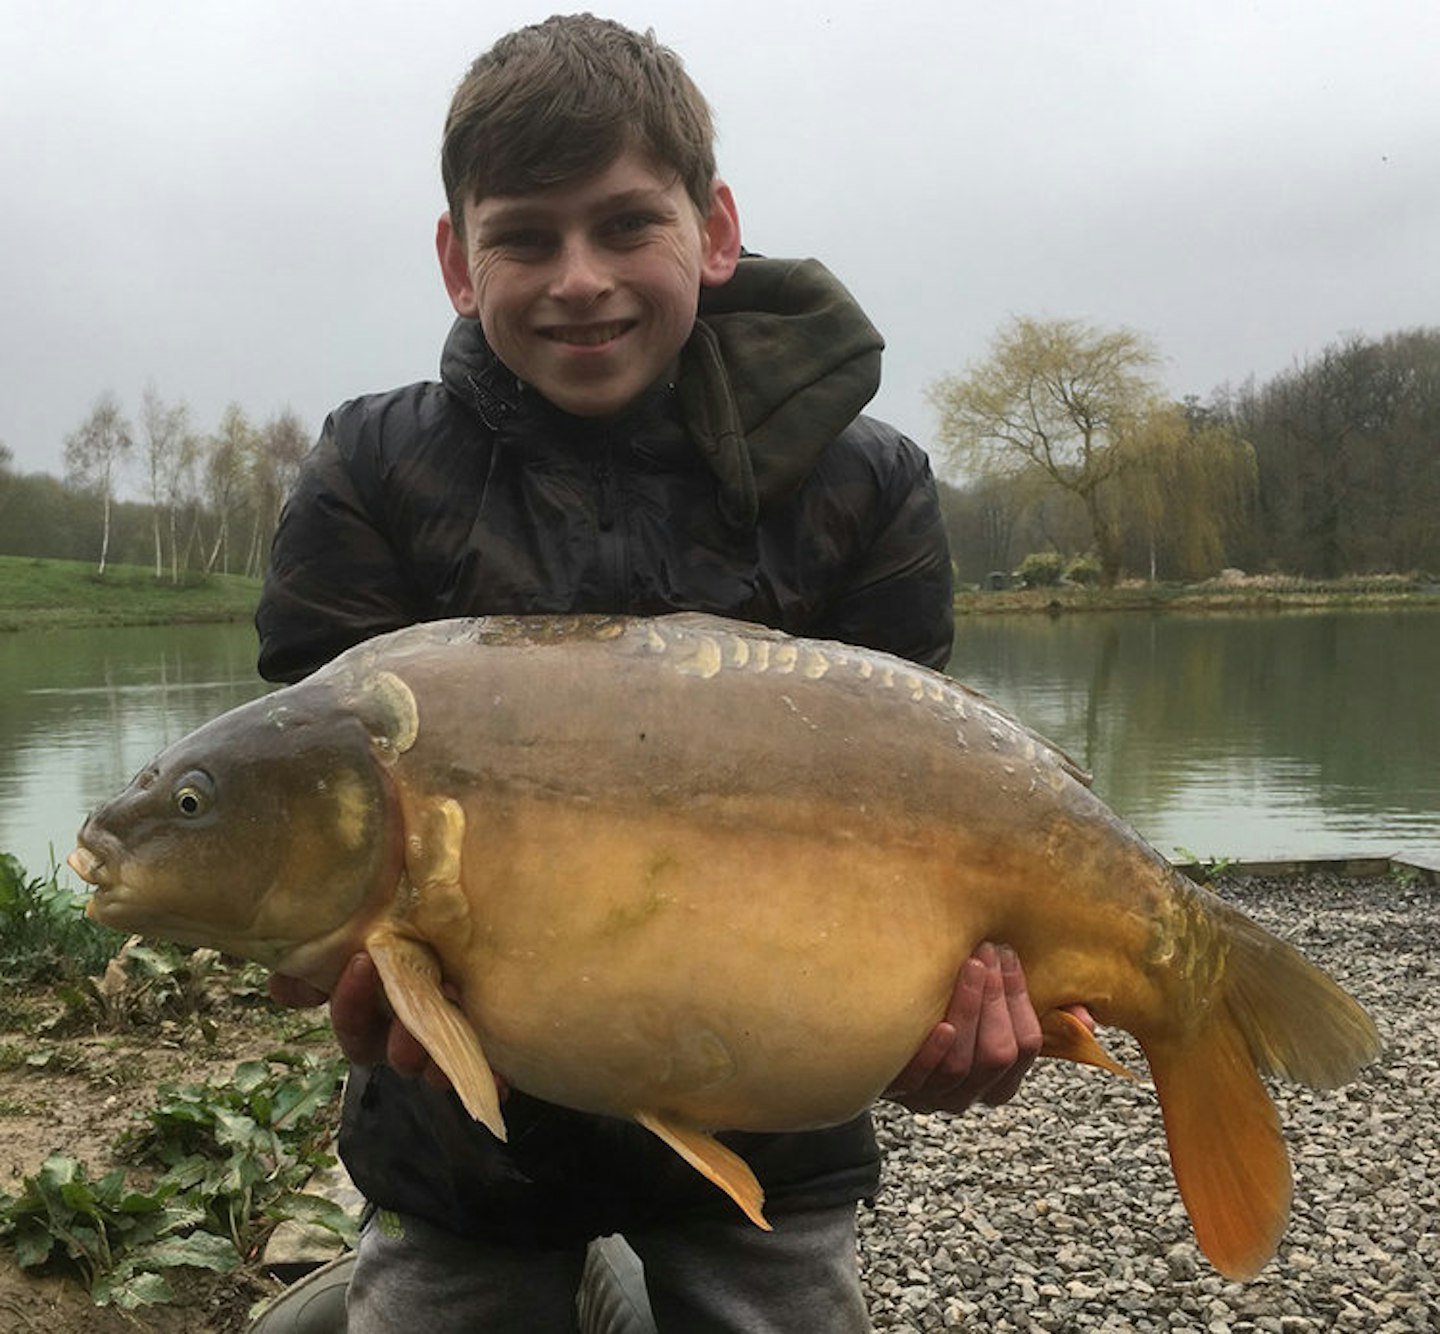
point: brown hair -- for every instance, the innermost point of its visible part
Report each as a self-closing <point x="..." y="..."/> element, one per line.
<point x="559" y="101"/>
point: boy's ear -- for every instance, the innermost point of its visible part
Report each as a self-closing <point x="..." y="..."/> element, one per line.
<point x="722" y="238"/>
<point x="455" y="267"/>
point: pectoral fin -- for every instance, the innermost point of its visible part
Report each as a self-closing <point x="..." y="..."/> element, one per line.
<point x="411" y="974"/>
<point x="712" y="1159"/>
<point x="1066" y="1037"/>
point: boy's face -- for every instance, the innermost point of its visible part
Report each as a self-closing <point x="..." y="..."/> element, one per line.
<point x="587" y="291"/>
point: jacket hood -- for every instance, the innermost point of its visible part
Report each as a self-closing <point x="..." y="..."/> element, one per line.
<point x="781" y="360"/>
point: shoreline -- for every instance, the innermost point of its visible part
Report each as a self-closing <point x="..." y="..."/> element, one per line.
<point x="1348" y="866"/>
<point x="1056" y="1212"/>
<point x="1260" y="595"/>
<point x="1027" y="602"/>
<point x="43" y="594"/>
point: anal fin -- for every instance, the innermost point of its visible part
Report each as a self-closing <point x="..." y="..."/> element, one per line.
<point x="411" y="974"/>
<point x="1068" y="1039"/>
<point x="713" y="1160"/>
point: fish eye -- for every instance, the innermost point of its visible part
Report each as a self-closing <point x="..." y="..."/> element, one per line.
<point x="194" y="794"/>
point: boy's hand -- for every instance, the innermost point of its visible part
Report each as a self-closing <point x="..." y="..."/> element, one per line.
<point x="985" y="1045"/>
<point x="367" y="1032"/>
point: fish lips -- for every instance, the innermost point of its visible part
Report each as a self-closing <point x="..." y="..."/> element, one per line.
<point x="95" y="864"/>
<point x="89" y="867"/>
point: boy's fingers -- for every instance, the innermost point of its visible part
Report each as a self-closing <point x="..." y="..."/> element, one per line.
<point x="944" y="1056"/>
<point x="1015" y="1032"/>
<point x="405" y="1055"/>
<point x="923" y="1064"/>
<point x="986" y="1044"/>
<point x="358" y="1014"/>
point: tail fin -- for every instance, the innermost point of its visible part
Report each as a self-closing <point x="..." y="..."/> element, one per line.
<point x="1225" y="1148"/>
<point x="1297" y="1022"/>
<point x="1276" y="1014"/>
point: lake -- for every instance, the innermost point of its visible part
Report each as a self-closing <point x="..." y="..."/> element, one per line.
<point x="1252" y="735"/>
<point x="1289" y="734"/>
<point x="82" y="710"/>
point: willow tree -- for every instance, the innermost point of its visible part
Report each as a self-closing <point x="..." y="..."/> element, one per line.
<point x="1190" y="488"/>
<point x="1064" y="399"/>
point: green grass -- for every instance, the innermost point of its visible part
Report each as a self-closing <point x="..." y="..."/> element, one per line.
<point x="39" y="594"/>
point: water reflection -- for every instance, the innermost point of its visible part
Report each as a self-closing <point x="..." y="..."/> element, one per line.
<point x="1247" y="735"/>
<point x="1233" y="736"/>
<point x="82" y="710"/>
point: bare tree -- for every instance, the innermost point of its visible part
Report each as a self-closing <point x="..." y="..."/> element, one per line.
<point x="7" y="478"/>
<point x="169" y="453"/>
<point x="228" y="461"/>
<point x="1348" y="464"/>
<point x="95" y="452"/>
<point x="283" y="442"/>
<point x="182" y="492"/>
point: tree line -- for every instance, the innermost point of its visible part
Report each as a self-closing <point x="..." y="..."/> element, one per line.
<point x="1068" y="445"/>
<point x="211" y="500"/>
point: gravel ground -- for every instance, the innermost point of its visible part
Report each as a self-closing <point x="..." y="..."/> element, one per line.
<point x="1058" y="1212"/>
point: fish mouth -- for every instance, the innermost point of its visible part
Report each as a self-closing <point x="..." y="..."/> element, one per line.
<point x="90" y="868"/>
<point x="93" y="869"/>
<point x="97" y="861"/>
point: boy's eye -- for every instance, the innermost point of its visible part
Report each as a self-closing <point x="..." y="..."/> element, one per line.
<point x="628" y="225"/>
<point x="522" y="240"/>
<point x="519" y="241"/>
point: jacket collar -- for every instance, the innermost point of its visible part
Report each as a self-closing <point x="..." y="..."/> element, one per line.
<point x="780" y="361"/>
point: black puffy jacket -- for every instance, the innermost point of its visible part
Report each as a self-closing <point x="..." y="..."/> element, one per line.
<point x="749" y="488"/>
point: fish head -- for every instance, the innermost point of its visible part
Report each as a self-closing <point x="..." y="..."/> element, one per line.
<point x="264" y="833"/>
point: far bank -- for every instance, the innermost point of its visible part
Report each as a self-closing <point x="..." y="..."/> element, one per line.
<point x="1234" y="592"/>
<point x="37" y="594"/>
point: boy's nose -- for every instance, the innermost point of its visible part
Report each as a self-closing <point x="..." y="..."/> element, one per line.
<point x="580" y="274"/>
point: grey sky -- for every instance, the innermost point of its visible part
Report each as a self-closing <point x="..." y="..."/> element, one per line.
<point x="236" y="201"/>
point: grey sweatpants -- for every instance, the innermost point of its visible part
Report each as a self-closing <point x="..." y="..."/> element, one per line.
<point x="700" y="1278"/>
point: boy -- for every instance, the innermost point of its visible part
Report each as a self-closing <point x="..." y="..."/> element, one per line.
<point x="633" y="416"/>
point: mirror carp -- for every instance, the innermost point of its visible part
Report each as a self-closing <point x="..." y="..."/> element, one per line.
<point x="710" y="877"/>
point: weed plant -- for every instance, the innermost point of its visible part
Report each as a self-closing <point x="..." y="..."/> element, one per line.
<point x="232" y="1158"/>
<point x="44" y="933"/>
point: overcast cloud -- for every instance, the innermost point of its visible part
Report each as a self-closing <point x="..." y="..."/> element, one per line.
<point x="236" y="201"/>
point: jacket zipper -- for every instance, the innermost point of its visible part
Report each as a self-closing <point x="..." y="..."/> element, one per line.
<point x="610" y="538"/>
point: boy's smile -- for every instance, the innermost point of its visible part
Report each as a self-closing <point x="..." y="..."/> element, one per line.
<point x="587" y="291"/>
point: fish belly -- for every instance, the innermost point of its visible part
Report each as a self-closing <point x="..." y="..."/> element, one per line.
<point x="757" y="974"/>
